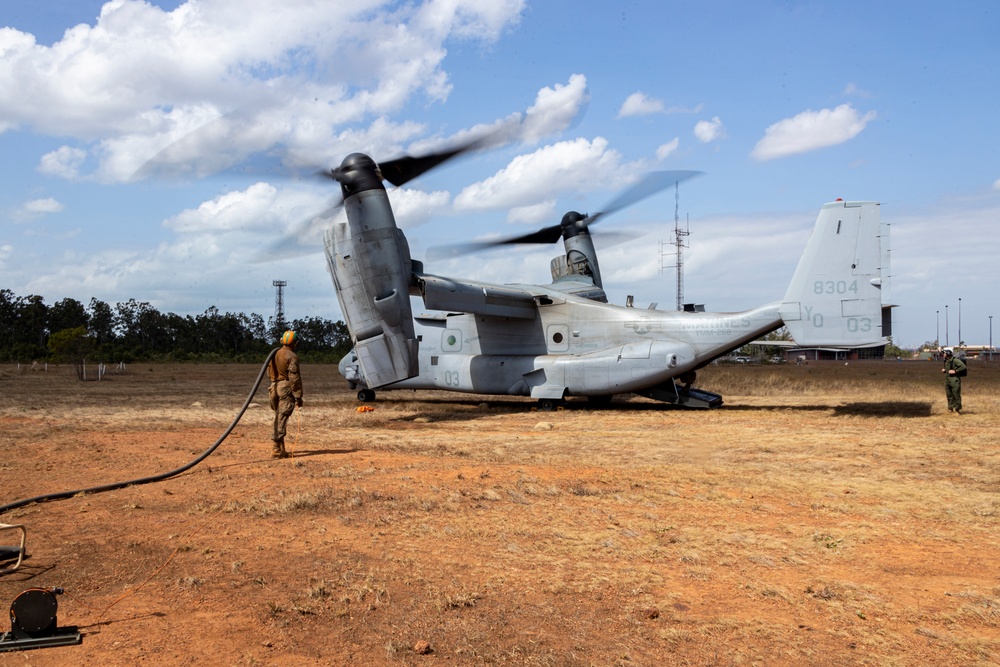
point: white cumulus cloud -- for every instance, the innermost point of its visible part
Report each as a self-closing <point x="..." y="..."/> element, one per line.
<point x="639" y="104"/>
<point x="298" y="73"/>
<point x="709" y="130"/>
<point x="668" y="148"/>
<point x="811" y="130"/>
<point x="64" y="162"/>
<point x="532" y="215"/>
<point x="43" y="206"/>
<point x="36" y="208"/>
<point x="533" y="178"/>
<point x="555" y="108"/>
<point x="412" y="207"/>
<point x="250" y="208"/>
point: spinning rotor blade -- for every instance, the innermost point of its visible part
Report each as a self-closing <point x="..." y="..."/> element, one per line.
<point x="549" y="234"/>
<point x="296" y="243"/>
<point x="398" y="172"/>
<point x="404" y="169"/>
<point x="647" y="186"/>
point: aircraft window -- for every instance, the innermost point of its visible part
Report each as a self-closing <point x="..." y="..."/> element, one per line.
<point x="557" y="337"/>
<point x="452" y="340"/>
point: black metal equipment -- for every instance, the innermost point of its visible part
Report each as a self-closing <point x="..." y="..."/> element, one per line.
<point x="33" y="623"/>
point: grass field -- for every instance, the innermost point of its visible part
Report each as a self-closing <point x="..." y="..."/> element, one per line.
<point x="828" y="514"/>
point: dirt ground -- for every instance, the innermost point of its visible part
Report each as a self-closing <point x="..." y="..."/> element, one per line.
<point x="826" y="515"/>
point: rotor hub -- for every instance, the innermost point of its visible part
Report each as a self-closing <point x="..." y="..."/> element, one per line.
<point x="573" y="224"/>
<point x="357" y="173"/>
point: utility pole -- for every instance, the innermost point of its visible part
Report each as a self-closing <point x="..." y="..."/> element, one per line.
<point x="991" y="338"/>
<point x="960" y="322"/>
<point x="937" y="334"/>
<point x="946" y="343"/>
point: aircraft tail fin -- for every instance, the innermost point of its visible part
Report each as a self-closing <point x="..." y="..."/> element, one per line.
<point x="837" y="294"/>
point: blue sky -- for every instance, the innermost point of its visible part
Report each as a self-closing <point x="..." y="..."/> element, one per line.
<point x="783" y="105"/>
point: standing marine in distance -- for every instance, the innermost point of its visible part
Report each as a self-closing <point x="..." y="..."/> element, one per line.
<point x="285" y="392"/>
<point x="954" y="370"/>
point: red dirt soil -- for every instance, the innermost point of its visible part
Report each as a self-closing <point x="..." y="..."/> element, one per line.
<point x="444" y="529"/>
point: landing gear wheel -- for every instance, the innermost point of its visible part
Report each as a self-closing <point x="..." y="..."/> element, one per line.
<point x="549" y="404"/>
<point x="366" y="395"/>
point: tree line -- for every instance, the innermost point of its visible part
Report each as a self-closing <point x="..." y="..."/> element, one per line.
<point x="31" y="330"/>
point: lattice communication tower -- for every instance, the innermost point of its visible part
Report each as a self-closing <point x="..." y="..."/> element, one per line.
<point x="679" y="245"/>
<point x="279" y="303"/>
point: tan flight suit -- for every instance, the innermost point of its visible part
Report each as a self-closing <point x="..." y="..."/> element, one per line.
<point x="284" y="393"/>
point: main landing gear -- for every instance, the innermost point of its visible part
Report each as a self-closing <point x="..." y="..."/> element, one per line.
<point x="550" y="404"/>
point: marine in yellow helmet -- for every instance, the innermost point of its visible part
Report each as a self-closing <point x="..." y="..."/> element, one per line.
<point x="285" y="392"/>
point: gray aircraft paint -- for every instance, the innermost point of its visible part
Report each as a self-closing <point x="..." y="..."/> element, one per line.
<point x="564" y="339"/>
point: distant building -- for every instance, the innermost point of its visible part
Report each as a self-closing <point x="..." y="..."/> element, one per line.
<point x="964" y="352"/>
<point x="790" y="351"/>
<point x="834" y="353"/>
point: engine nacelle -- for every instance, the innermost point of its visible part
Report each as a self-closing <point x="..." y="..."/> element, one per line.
<point x="369" y="260"/>
<point x="580" y="260"/>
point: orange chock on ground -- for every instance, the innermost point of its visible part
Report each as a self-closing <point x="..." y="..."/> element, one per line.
<point x="366" y="408"/>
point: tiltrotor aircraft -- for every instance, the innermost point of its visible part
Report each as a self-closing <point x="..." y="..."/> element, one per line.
<point x="564" y="339"/>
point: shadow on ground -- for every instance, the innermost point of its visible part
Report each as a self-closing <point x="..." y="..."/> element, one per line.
<point x="884" y="409"/>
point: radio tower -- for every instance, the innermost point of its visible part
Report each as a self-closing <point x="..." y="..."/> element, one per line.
<point x="679" y="245"/>
<point x="279" y="303"/>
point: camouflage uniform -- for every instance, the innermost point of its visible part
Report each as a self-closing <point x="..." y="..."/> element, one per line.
<point x="953" y="382"/>
<point x="284" y="393"/>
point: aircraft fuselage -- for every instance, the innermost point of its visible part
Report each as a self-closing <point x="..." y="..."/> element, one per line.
<point x="574" y="347"/>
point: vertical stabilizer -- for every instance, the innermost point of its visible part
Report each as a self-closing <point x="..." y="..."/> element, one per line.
<point x="836" y="295"/>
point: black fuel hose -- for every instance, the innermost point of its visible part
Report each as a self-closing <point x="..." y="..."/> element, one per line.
<point x="155" y="478"/>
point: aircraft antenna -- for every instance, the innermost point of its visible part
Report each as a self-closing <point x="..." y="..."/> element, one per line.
<point x="679" y="245"/>
<point x="279" y="303"/>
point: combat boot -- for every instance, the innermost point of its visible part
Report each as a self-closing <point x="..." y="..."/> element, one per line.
<point x="278" y="451"/>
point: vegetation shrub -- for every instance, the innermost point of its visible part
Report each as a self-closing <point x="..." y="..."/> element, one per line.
<point x="133" y="331"/>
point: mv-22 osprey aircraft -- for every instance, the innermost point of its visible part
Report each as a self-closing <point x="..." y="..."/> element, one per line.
<point x="564" y="339"/>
